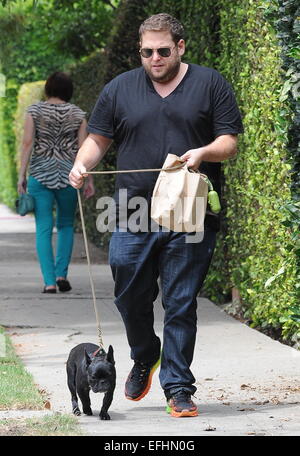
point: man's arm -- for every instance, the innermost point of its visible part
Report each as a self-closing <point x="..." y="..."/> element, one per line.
<point x="89" y="155"/>
<point x="222" y="148"/>
<point x="88" y="189"/>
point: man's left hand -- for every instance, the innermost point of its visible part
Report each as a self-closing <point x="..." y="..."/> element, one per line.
<point x="193" y="158"/>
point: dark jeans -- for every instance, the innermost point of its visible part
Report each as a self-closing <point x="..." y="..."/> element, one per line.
<point x="137" y="260"/>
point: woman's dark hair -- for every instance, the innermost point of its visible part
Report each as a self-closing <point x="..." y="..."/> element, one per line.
<point x="59" y="85"/>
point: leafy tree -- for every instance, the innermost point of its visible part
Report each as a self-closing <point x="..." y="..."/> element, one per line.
<point x="51" y="35"/>
<point x="76" y="30"/>
<point x="37" y="38"/>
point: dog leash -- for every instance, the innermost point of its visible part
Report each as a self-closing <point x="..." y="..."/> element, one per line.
<point x="90" y="269"/>
<point x="120" y="171"/>
<point x="97" y="314"/>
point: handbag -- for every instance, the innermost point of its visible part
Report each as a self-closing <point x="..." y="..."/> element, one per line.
<point x="24" y="204"/>
<point x="179" y="197"/>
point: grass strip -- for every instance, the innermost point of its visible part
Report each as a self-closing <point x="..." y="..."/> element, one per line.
<point x="18" y="391"/>
<point x="53" y="425"/>
<point x="17" y="387"/>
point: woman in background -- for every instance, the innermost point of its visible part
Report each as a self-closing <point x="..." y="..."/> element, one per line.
<point x="53" y="132"/>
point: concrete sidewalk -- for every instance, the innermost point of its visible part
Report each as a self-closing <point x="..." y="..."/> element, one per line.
<point x="248" y="384"/>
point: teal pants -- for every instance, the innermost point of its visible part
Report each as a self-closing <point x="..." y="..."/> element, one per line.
<point x="65" y="200"/>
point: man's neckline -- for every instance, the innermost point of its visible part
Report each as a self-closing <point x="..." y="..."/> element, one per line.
<point x="175" y="89"/>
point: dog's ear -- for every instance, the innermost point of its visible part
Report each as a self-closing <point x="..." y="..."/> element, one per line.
<point x="87" y="358"/>
<point x="110" y="355"/>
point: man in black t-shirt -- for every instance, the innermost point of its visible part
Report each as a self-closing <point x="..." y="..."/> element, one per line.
<point x="165" y="106"/>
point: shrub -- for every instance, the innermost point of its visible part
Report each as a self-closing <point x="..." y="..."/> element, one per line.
<point x="258" y="181"/>
<point x="29" y="93"/>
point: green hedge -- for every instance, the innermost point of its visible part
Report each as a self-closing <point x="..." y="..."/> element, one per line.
<point x="287" y="23"/>
<point x="12" y="109"/>
<point x="2" y="145"/>
<point x="260" y="260"/>
<point x="2" y="95"/>
<point x="8" y="173"/>
<point x="29" y="93"/>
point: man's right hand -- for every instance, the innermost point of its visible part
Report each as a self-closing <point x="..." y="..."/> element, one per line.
<point x="77" y="175"/>
<point x="91" y="152"/>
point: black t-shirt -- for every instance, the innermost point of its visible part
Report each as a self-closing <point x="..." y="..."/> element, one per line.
<point x="147" y="127"/>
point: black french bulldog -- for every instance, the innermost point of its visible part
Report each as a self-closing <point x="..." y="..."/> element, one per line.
<point x="89" y="367"/>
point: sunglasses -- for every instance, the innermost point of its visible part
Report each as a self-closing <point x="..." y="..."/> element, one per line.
<point x="163" y="52"/>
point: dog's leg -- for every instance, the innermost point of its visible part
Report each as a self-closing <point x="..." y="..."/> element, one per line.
<point x="71" y="372"/>
<point x="84" y="395"/>
<point x="107" y="400"/>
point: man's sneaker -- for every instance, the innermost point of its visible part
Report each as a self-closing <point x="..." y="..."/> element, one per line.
<point x="180" y="405"/>
<point x="139" y="380"/>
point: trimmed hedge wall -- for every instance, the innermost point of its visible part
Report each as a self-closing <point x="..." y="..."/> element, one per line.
<point x="12" y="111"/>
<point x="287" y="24"/>
<point x="261" y="263"/>
<point x="2" y="146"/>
<point x="29" y="93"/>
<point x="8" y="172"/>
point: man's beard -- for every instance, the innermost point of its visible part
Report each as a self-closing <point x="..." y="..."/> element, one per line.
<point x="171" y="73"/>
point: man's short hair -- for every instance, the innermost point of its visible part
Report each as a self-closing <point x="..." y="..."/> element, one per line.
<point x="163" y="22"/>
<point x="59" y="85"/>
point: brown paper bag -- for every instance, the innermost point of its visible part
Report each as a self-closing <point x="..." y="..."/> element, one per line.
<point x="179" y="198"/>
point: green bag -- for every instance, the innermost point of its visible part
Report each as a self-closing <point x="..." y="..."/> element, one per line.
<point x="24" y="204"/>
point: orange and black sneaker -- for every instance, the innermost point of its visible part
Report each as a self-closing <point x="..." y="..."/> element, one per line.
<point x="181" y="405"/>
<point x="139" y="380"/>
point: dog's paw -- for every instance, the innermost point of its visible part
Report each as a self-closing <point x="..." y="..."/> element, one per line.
<point x="76" y="411"/>
<point x="104" y="416"/>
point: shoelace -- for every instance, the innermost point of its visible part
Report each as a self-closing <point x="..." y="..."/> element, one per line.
<point x="139" y="372"/>
<point x="182" y="396"/>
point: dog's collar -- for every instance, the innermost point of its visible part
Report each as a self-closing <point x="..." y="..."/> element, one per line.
<point x="99" y="350"/>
